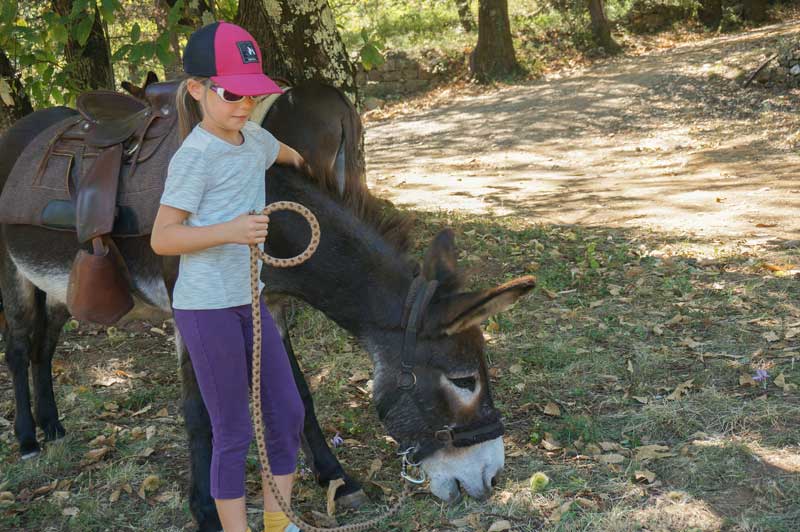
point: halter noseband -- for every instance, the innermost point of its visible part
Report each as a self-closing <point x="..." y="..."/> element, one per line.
<point x="419" y="296"/>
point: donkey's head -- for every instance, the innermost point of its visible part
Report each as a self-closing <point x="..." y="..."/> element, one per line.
<point x="431" y="383"/>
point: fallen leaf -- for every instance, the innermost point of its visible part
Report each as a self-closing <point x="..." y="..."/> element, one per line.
<point x="587" y="503"/>
<point x="559" y="512"/>
<point x="142" y="411"/>
<point x="499" y="526"/>
<point x="549" y="293"/>
<point x="150" y="431"/>
<point x="612" y="458"/>
<point x="746" y="380"/>
<point x="610" y="446"/>
<point x="644" y="474"/>
<point x="333" y="485"/>
<point x="115" y="495"/>
<point x="162" y="413"/>
<point x="552" y="409"/>
<point x="550" y="443"/>
<point x="374" y="467"/>
<point x="613" y="289"/>
<point x="641" y="399"/>
<point x="681" y="389"/>
<point x="156" y="330"/>
<point x="652" y="452"/>
<point x="658" y="331"/>
<point x="70" y="512"/>
<point x="111" y="407"/>
<point x="515" y="369"/>
<point x="592" y="449"/>
<point x="150" y="483"/>
<point x="771" y="336"/>
<point x="359" y="376"/>
<point x="95" y="455"/>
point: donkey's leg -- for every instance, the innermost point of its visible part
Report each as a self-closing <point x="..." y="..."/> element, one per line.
<point x="198" y="428"/>
<point x="323" y="462"/>
<point x="48" y="331"/>
<point x="20" y="314"/>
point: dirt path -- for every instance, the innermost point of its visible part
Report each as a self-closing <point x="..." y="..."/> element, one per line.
<point x="666" y="141"/>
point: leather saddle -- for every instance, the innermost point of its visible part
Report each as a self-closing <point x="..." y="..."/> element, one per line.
<point x="113" y="134"/>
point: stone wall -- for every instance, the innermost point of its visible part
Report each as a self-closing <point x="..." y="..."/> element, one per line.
<point x="399" y="75"/>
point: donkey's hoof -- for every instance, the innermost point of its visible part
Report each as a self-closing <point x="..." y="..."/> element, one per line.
<point x="29" y="450"/>
<point x="353" y="500"/>
<point x="53" y="431"/>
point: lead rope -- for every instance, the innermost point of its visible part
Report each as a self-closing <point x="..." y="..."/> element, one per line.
<point x="258" y="422"/>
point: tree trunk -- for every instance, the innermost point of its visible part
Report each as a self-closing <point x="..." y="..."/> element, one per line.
<point x="465" y="15"/>
<point x="494" y="54"/>
<point x="601" y="29"/>
<point x="90" y="64"/>
<point x="299" y="41"/>
<point x="710" y="13"/>
<point x="22" y="104"/>
<point x="755" y="10"/>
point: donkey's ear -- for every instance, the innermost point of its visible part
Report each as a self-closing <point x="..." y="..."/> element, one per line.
<point x="440" y="261"/>
<point x="152" y="77"/>
<point x="462" y="311"/>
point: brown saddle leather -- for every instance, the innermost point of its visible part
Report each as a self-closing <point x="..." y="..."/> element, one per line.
<point x="100" y="174"/>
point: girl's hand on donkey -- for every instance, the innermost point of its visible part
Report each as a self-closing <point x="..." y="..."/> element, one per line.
<point x="248" y="229"/>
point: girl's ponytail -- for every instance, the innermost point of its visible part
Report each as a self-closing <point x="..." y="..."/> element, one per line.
<point x="189" y="111"/>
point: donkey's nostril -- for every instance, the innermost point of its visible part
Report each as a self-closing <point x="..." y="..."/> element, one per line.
<point x="494" y="481"/>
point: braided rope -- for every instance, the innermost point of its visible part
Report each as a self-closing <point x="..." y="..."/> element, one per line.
<point x="258" y="422"/>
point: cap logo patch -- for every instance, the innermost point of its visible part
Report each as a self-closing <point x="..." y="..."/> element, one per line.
<point x="248" y="51"/>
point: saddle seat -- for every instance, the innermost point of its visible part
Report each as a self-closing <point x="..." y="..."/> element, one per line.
<point x="114" y="117"/>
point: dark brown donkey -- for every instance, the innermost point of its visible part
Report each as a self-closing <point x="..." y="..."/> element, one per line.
<point x="420" y="329"/>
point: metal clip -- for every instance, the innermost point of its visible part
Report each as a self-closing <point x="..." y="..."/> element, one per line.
<point x="407" y="467"/>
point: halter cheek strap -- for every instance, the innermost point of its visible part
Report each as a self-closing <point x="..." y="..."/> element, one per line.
<point x="419" y="296"/>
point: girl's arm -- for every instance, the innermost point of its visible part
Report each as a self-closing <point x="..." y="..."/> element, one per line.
<point x="289" y="156"/>
<point x="171" y="237"/>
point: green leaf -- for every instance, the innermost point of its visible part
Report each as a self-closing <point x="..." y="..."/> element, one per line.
<point x="107" y="8"/>
<point x="78" y="6"/>
<point x="59" y="34"/>
<point x="84" y="29"/>
<point x="8" y="13"/>
<point x="175" y="13"/>
<point x="165" y="54"/>
<point x="136" y="32"/>
<point x="123" y="50"/>
<point x="371" y="57"/>
<point x="365" y="35"/>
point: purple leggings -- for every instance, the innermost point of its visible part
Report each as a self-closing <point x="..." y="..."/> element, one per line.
<point x="220" y="344"/>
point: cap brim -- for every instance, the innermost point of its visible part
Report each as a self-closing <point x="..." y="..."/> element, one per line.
<point x="248" y="84"/>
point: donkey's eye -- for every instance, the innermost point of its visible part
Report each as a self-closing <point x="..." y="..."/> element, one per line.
<point x="468" y="383"/>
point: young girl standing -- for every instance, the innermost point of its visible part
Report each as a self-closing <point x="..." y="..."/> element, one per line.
<point x="214" y="180"/>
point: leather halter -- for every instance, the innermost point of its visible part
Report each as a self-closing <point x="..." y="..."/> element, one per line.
<point x="419" y="296"/>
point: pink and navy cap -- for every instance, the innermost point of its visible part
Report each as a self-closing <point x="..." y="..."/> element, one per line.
<point x="230" y="56"/>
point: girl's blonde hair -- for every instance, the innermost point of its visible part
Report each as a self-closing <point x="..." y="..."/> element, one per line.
<point x="190" y="112"/>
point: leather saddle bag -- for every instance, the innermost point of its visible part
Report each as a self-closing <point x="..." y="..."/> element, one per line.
<point x="98" y="287"/>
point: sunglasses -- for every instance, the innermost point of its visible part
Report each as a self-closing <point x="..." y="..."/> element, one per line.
<point x="232" y="97"/>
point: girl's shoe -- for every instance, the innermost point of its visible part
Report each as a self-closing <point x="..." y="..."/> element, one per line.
<point x="292" y="528"/>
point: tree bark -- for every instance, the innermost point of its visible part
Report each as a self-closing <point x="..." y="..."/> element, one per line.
<point x="90" y="65"/>
<point x="22" y="104"/>
<point x="465" y="15"/>
<point x="710" y="13"/>
<point x="299" y="41"/>
<point x="601" y="29"/>
<point x="494" y="54"/>
<point x="755" y="10"/>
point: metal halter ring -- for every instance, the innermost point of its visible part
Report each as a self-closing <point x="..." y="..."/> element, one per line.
<point x="312" y="244"/>
<point x="408" y="464"/>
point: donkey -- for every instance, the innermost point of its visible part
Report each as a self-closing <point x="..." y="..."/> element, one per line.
<point x="430" y="378"/>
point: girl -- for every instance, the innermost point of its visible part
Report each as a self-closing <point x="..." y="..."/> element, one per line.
<point x="214" y="180"/>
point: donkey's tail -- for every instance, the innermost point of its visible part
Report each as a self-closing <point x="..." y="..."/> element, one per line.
<point x="352" y="148"/>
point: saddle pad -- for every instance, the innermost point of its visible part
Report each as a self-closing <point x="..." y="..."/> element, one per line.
<point x="51" y="167"/>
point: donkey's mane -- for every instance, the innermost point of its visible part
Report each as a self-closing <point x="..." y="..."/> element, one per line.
<point x="380" y="214"/>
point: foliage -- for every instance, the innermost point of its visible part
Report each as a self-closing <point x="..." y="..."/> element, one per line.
<point x="35" y="39"/>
